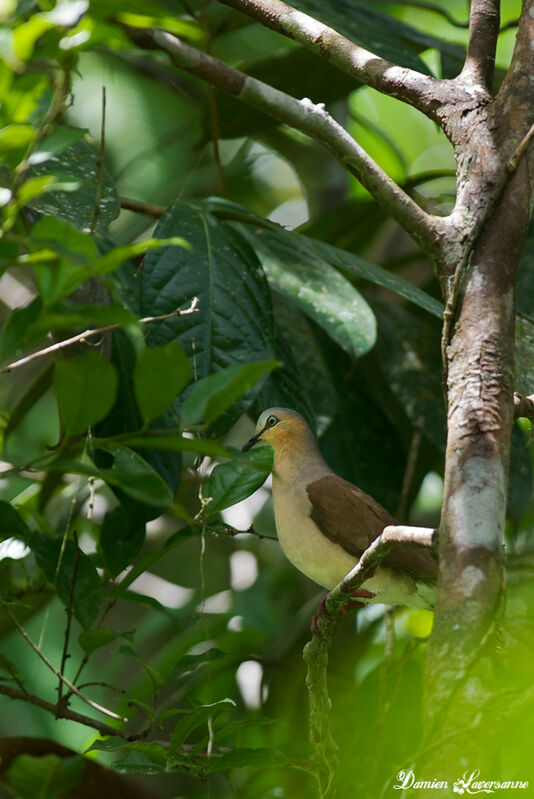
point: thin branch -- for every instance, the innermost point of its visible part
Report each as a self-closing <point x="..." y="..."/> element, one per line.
<point x="479" y="65"/>
<point x="154" y="211"/>
<point x="65" y="653"/>
<point x="421" y="91"/>
<point x="100" y="162"/>
<point x="93" y="332"/>
<point x="304" y="115"/>
<point x="55" y="671"/>
<point x="316" y="651"/>
<point x="411" y="460"/>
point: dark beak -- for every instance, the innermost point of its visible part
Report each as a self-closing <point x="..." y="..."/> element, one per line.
<point x="250" y="443"/>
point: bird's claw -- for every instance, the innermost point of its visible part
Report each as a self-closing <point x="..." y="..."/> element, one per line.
<point x="351" y="605"/>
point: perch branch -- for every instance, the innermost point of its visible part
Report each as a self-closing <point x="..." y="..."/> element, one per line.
<point x="479" y="64"/>
<point x="304" y="115"/>
<point x="93" y="332"/>
<point x="316" y="651"/>
<point x="421" y="91"/>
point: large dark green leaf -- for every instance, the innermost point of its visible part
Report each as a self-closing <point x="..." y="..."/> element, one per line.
<point x="212" y="395"/>
<point x="307" y="249"/>
<point x="317" y="289"/>
<point x="85" y="387"/>
<point x="160" y="373"/>
<point x="11" y="524"/>
<point x="77" y="164"/>
<point x="234" y="323"/>
<point x="61" y="567"/>
<point x="44" y="777"/>
<point x="121" y="538"/>
<point x="125" y="417"/>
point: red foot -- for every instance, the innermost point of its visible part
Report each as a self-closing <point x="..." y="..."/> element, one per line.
<point x="352" y="605"/>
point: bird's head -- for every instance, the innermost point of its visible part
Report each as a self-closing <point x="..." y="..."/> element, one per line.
<point x="278" y="427"/>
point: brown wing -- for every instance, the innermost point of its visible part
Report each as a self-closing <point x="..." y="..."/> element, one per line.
<point x="351" y="518"/>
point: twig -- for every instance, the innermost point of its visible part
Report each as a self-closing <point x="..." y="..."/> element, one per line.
<point x="229" y="530"/>
<point x="100" y="163"/>
<point x="93" y="332"/>
<point x="154" y="211"/>
<point x="316" y="651"/>
<point x="304" y="115"/>
<point x="411" y="460"/>
<point x="65" y="653"/>
<point x="55" y="671"/>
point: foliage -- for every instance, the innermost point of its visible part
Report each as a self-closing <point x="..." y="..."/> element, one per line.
<point x="121" y="450"/>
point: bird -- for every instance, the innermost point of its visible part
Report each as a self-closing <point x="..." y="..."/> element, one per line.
<point x="324" y="523"/>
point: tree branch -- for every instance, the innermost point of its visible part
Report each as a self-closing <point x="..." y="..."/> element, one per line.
<point x="93" y="331"/>
<point x="65" y="713"/>
<point x="316" y="651"/>
<point x="310" y="118"/>
<point x="421" y="91"/>
<point x="479" y="63"/>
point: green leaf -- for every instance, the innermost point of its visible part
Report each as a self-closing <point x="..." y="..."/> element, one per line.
<point x="87" y="594"/>
<point x="212" y="395"/>
<point x="142" y="757"/>
<point x="234" y="322"/>
<point x="11" y="524"/>
<point x="44" y="777"/>
<point x="254" y="758"/>
<point x="146" y="758"/>
<point x="160" y="374"/>
<point x="129" y="472"/>
<point x="138" y="479"/>
<point x="319" y="290"/>
<point x="78" y="163"/>
<point x="231" y="482"/>
<point x="197" y="718"/>
<point x="122" y="536"/>
<point x="85" y="387"/>
<point x="306" y="249"/>
<point x="168" y="441"/>
<point x="125" y="417"/>
<point x="189" y="663"/>
<point x="91" y="640"/>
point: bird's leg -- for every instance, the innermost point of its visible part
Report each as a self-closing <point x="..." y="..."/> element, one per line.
<point x="351" y="605"/>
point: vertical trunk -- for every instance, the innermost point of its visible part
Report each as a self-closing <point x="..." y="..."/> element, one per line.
<point x="462" y="653"/>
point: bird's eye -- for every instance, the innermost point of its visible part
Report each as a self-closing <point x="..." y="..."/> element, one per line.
<point x="271" y="421"/>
